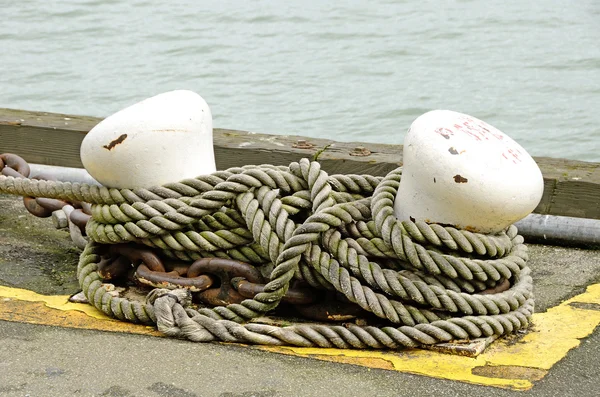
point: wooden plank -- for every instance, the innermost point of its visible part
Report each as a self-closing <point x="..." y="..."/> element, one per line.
<point x="572" y="188"/>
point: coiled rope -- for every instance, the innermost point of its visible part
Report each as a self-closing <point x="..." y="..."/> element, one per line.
<point x="338" y="232"/>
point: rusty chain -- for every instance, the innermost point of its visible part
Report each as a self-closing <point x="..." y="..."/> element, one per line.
<point x="214" y="281"/>
<point x="237" y="281"/>
<point x="71" y="215"/>
<point x="444" y="284"/>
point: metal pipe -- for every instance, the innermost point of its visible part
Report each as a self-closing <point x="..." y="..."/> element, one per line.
<point x="562" y="230"/>
<point x="547" y="229"/>
<point x="63" y="174"/>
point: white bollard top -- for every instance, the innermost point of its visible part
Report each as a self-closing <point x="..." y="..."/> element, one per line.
<point x="159" y="140"/>
<point x="461" y="171"/>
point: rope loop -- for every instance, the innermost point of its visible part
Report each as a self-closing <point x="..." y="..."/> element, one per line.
<point x="413" y="283"/>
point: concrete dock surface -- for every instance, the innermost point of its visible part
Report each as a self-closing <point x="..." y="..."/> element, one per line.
<point x="50" y="360"/>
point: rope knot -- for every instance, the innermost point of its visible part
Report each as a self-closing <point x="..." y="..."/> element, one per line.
<point x="181" y="296"/>
<point x="427" y="283"/>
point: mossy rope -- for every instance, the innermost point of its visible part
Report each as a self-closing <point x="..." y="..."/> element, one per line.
<point x="334" y="232"/>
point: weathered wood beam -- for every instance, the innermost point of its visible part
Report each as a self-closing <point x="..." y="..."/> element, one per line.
<point x="572" y="188"/>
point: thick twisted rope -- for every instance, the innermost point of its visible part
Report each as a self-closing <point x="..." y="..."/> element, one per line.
<point x="334" y="232"/>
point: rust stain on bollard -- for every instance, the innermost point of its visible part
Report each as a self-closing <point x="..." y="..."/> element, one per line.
<point x="460" y="179"/>
<point x="114" y="143"/>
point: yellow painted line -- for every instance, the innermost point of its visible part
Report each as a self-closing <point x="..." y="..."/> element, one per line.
<point x="508" y="363"/>
<point x="20" y="305"/>
<point x="60" y="302"/>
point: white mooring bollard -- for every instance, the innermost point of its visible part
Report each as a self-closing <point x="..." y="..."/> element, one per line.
<point x="461" y="171"/>
<point x="165" y="138"/>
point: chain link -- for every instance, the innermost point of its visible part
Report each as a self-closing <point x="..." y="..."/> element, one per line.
<point x="65" y="214"/>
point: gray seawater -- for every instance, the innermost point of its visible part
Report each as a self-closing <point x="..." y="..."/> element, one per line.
<point x="347" y="70"/>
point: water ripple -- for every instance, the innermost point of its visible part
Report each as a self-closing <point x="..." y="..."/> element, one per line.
<point x="351" y="72"/>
